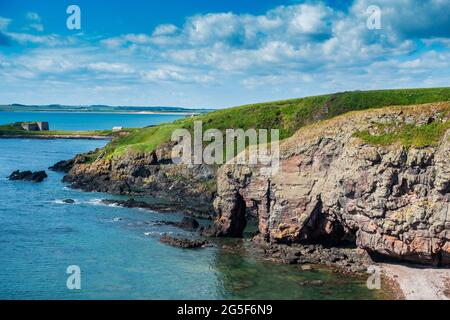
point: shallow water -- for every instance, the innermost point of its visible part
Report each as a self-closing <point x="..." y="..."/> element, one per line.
<point x="40" y="237"/>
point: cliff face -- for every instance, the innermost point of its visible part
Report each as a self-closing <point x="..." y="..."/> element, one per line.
<point x="332" y="187"/>
<point x="148" y="174"/>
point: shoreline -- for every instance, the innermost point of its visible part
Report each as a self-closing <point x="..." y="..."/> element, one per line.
<point x="112" y="112"/>
<point x="52" y="137"/>
<point x="418" y="282"/>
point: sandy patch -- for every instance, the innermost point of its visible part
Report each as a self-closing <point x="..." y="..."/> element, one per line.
<point x="420" y="283"/>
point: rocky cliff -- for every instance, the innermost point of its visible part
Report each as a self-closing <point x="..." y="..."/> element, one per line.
<point x="390" y="198"/>
<point x="186" y="188"/>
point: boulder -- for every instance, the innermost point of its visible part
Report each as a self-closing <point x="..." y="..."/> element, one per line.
<point x="183" y="242"/>
<point x="188" y="223"/>
<point x="37" y="176"/>
<point x="63" y="166"/>
<point x="311" y="283"/>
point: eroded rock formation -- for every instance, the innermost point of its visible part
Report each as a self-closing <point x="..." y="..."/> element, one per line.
<point x="333" y="187"/>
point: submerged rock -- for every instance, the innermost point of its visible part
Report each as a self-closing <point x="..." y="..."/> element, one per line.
<point x="310" y="283"/>
<point x="183" y="242"/>
<point x="63" y="166"/>
<point x="37" y="176"/>
<point x="188" y="224"/>
<point x="166" y="206"/>
<point x="69" y="201"/>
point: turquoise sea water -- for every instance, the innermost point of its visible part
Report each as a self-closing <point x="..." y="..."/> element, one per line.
<point x="88" y="121"/>
<point x="122" y="258"/>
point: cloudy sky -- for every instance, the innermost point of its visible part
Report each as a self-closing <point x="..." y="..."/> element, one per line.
<point x="217" y="53"/>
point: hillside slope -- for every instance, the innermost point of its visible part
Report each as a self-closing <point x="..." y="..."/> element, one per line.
<point x="288" y="116"/>
<point x="140" y="163"/>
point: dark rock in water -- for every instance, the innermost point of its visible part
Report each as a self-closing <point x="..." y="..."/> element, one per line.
<point x="160" y="207"/>
<point x="188" y="224"/>
<point x="63" y="166"/>
<point x="20" y="175"/>
<point x="69" y="201"/>
<point x="311" y="283"/>
<point x="183" y="243"/>
<point x="130" y="203"/>
<point x="346" y="259"/>
<point x="210" y="231"/>
<point x="37" y="176"/>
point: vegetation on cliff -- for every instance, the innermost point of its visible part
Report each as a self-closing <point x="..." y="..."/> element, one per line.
<point x="288" y="116"/>
<point x="408" y="135"/>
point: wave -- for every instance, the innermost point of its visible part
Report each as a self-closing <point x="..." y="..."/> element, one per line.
<point x="99" y="202"/>
<point x="156" y="233"/>
<point x="61" y="201"/>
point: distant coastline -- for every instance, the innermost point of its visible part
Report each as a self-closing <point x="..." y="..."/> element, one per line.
<point x="53" y="137"/>
<point x="107" y="112"/>
<point x="159" y="110"/>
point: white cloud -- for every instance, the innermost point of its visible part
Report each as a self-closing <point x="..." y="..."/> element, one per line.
<point x="36" y="26"/>
<point x="120" y="68"/>
<point x="35" y="20"/>
<point x="411" y="18"/>
<point x="4" y="23"/>
<point x="164" y="30"/>
<point x="33" y="16"/>
<point x="45" y="40"/>
<point x="293" y="50"/>
<point x="297" y="36"/>
<point x="310" y="19"/>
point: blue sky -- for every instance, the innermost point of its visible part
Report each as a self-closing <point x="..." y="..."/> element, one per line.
<point x="217" y="53"/>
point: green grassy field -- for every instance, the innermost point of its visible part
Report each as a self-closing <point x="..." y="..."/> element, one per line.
<point x="407" y="135"/>
<point x="288" y="116"/>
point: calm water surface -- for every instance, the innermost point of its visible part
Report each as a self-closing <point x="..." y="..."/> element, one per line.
<point x="88" y="121"/>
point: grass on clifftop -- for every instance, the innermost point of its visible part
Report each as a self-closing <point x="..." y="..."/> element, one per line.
<point x="288" y="116"/>
<point x="408" y="135"/>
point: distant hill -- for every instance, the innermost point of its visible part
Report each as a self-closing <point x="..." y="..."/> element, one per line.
<point x="15" y="107"/>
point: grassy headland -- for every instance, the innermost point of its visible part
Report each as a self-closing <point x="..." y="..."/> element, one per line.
<point x="288" y="116"/>
<point x="15" y="130"/>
